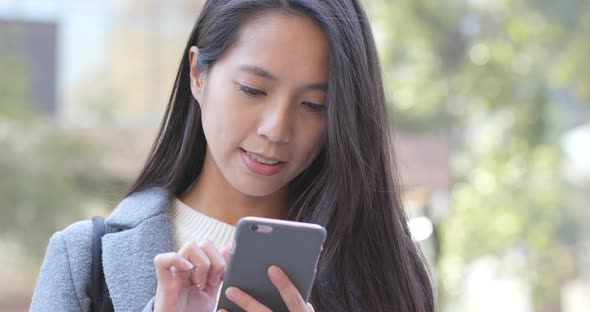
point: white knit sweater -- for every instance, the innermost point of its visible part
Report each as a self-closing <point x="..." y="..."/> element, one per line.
<point x="190" y="225"/>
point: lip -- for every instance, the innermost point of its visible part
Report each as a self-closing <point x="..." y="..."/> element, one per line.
<point x="263" y="156"/>
<point x="260" y="168"/>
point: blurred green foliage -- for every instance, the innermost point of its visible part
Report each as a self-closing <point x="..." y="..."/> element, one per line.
<point x="49" y="176"/>
<point x="503" y="80"/>
<point x="13" y="88"/>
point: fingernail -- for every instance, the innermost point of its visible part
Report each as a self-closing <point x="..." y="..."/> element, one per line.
<point x="274" y="272"/>
<point x="232" y="293"/>
<point x="187" y="264"/>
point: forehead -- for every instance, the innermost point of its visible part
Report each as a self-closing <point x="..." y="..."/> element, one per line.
<point x="287" y="45"/>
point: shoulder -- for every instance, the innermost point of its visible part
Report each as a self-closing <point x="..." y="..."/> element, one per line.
<point x="77" y="235"/>
<point x="77" y="241"/>
<point x="140" y="206"/>
<point x="77" y="238"/>
<point x="66" y="269"/>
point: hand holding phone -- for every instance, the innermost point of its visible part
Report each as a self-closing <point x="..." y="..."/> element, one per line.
<point x="289" y="293"/>
<point x="272" y="265"/>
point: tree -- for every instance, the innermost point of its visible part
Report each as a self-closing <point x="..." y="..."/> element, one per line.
<point x="502" y="80"/>
<point x="49" y="176"/>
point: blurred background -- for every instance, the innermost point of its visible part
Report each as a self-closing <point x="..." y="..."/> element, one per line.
<point x="490" y="101"/>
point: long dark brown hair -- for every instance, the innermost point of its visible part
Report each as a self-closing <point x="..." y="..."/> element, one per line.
<point x="370" y="262"/>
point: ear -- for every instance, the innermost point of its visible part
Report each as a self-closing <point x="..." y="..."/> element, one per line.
<point x="197" y="78"/>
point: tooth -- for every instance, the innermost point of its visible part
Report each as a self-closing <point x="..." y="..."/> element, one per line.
<point x="262" y="160"/>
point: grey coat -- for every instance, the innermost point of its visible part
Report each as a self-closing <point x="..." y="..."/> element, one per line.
<point x="127" y="257"/>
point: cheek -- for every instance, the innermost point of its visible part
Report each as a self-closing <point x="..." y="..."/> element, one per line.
<point x="225" y="123"/>
<point x="215" y="111"/>
<point x="214" y="122"/>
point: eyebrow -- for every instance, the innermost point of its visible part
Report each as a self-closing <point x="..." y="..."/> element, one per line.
<point x="258" y="71"/>
<point x="261" y="72"/>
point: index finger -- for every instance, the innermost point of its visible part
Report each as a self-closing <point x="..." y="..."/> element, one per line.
<point x="193" y="252"/>
<point x="288" y="291"/>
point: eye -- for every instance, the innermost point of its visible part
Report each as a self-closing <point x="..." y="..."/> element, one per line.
<point x="249" y="91"/>
<point x="315" y="107"/>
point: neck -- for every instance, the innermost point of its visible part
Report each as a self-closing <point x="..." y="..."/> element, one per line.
<point x="213" y="196"/>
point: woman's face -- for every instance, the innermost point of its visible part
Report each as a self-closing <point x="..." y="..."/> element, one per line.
<point x="262" y="102"/>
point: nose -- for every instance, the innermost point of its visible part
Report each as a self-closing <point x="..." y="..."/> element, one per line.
<point x="276" y="124"/>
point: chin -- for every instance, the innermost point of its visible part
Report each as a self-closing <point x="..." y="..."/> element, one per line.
<point x="255" y="188"/>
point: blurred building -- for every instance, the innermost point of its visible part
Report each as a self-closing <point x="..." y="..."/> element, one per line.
<point x="423" y="164"/>
<point x="33" y="46"/>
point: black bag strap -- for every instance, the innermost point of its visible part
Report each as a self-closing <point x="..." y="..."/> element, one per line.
<point x="97" y="289"/>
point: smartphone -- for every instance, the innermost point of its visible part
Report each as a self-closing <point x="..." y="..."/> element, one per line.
<point x="259" y="243"/>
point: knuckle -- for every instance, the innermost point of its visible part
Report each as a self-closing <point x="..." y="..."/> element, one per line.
<point x="248" y="303"/>
<point x="206" y="245"/>
<point x="159" y="259"/>
<point x="292" y="301"/>
<point x="205" y="261"/>
<point x="186" y="247"/>
<point x="217" y="264"/>
<point x="193" y="247"/>
<point x="219" y="272"/>
<point x="292" y="297"/>
<point x="206" y="264"/>
<point x="221" y="266"/>
<point x="283" y="284"/>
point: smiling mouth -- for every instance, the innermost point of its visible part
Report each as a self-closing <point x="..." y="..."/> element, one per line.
<point x="261" y="165"/>
<point x="263" y="160"/>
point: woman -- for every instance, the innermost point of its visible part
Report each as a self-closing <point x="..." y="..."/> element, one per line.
<point x="277" y="111"/>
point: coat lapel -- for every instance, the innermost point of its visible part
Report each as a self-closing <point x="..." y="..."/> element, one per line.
<point x="144" y="231"/>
